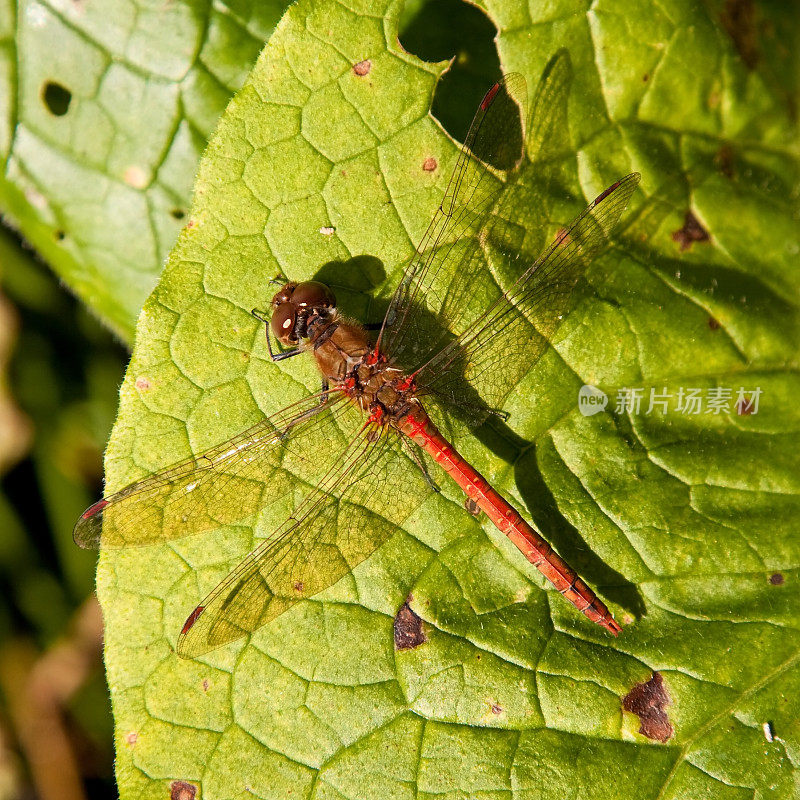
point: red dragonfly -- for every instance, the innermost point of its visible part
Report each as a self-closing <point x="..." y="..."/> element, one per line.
<point x="451" y="347"/>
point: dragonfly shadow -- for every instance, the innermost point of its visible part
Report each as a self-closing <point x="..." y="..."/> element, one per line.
<point x="501" y="440"/>
<point x="354" y="282"/>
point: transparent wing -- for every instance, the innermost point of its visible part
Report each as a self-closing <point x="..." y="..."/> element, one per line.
<point x="415" y="325"/>
<point x="491" y="357"/>
<point x="501" y="169"/>
<point x="370" y="488"/>
<point x="226" y="484"/>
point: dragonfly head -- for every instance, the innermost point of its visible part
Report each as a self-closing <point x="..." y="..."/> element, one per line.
<point x="295" y="306"/>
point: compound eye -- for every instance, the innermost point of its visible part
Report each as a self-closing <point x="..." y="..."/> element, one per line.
<point x="313" y="294"/>
<point x="284" y="319"/>
<point x="284" y="295"/>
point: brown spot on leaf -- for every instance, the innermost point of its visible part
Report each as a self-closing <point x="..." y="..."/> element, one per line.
<point x="430" y="164"/>
<point x="739" y="21"/>
<point x="182" y="790"/>
<point x="472" y="506"/>
<point x="362" y="68"/>
<point x="142" y="384"/>
<point x="713" y="323"/>
<point x="648" y="700"/>
<point x="776" y="579"/>
<point x="744" y="408"/>
<point x="327" y="230"/>
<point x="724" y="160"/>
<point x="408" y="630"/>
<point x="646" y="77"/>
<point x="131" y="738"/>
<point x="497" y="708"/>
<point x="562" y="237"/>
<point x="205" y="684"/>
<point x="298" y="586"/>
<point x="691" y="232"/>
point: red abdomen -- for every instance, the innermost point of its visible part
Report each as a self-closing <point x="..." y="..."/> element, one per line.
<point x="418" y="426"/>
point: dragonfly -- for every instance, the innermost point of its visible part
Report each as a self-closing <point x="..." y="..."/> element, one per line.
<point x="452" y="346"/>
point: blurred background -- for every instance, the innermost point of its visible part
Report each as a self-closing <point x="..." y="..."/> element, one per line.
<point x="61" y="367"/>
<point x="58" y="393"/>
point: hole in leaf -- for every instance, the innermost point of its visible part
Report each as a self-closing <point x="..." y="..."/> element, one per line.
<point x="447" y="29"/>
<point x="57" y="98"/>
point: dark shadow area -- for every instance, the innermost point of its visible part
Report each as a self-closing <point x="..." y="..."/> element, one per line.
<point x="354" y="282"/>
<point x="502" y="441"/>
<point x="453" y="29"/>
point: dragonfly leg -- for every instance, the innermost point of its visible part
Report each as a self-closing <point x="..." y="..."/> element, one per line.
<point x="295" y="351"/>
<point x="261" y="316"/>
<point x="503" y="415"/>
<point x="415" y="452"/>
<point x="304" y="416"/>
<point x="323" y="400"/>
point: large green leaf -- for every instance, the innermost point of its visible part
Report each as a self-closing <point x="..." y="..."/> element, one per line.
<point x="683" y="522"/>
<point x="106" y="109"/>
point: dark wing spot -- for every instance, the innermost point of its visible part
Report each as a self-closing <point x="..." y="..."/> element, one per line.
<point x="182" y="790"/>
<point x="605" y="193"/>
<point x="95" y="510"/>
<point x="489" y="96"/>
<point x="691" y="232"/>
<point x="647" y="701"/>
<point x="408" y="630"/>
<point x="362" y="68"/>
<point x="191" y="619"/>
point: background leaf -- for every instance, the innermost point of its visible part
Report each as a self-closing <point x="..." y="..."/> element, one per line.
<point x="107" y="108"/>
<point x="683" y="522"/>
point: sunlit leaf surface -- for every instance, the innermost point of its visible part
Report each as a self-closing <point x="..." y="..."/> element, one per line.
<point x="327" y="163"/>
